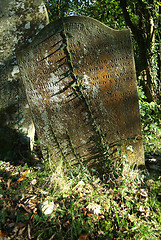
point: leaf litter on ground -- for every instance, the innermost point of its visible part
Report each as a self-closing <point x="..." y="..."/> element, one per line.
<point x="81" y="205"/>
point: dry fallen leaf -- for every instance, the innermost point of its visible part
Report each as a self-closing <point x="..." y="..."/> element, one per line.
<point x="8" y="183"/>
<point x="100" y="216"/>
<point x="23" y="175"/>
<point x="20" y="225"/>
<point x="141" y="209"/>
<point x="34" y="181"/>
<point x="20" y="179"/>
<point x="33" y="215"/>
<point x="123" y="229"/>
<point x="135" y="192"/>
<point x="87" y="213"/>
<point x="21" y="231"/>
<point x="3" y="234"/>
<point x="132" y="218"/>
<point x="83" y="237"/>
<point x="145" y="211"/>
<point x="84" y="211"/>
<point x="34" y="200"/>
<point x="141" y="192"/>
<point x="29" y="231"/>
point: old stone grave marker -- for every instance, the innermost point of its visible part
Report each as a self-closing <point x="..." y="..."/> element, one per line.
<point x="20" y="21"/>
<point x="80" y="83"/>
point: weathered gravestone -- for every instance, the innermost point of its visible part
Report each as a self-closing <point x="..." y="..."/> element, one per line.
<point x="19" y="22"/>
<point x="80" y="83"/>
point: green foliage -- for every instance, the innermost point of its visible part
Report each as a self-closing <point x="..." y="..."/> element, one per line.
<point x="126" y="207"/>
<point x="108" y="12"/>
<point x="125" y="212"/>
<point x="151" y="123"/>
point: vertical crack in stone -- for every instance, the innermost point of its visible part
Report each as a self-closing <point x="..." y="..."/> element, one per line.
<point x="77" y="90"/>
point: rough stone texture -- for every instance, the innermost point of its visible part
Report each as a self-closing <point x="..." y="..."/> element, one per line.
<point x="77" y="117"/>
<point x="20" y="20"/>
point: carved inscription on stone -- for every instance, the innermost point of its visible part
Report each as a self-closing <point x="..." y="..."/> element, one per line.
<point x="80" y="82"/>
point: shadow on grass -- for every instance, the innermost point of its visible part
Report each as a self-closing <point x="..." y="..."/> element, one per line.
<point x="15" y="148"/>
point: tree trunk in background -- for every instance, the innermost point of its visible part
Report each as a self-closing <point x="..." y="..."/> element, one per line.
<point x="20" y="21"/>
<point x="144" y="34"/>
<point x="159" y="55"/>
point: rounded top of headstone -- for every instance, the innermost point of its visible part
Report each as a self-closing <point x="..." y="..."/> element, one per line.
<point x="86" y="20"/>
<point x="75" y="22"/>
